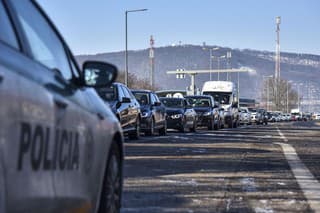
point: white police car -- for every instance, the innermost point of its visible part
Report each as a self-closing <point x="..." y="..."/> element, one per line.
<point x="60" y="146"/>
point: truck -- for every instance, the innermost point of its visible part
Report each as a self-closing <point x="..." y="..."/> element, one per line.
<point x="225" y="92"/>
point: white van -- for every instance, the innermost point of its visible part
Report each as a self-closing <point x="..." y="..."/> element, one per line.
<point x="225" y="93"/>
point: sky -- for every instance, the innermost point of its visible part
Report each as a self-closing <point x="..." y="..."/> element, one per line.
<point x="98" y="26"/>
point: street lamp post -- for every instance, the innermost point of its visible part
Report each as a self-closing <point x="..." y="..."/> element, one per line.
<point x="268" y="85"/>
<point x="126" y="51"/>
<point x="288" y="96"/>
<point x="211" y="57"/>
<point x="228" y="65"/>
<point x="218" y="60"/>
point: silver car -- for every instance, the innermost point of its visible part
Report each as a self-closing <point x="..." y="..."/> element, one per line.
<point x="61" y="147"/>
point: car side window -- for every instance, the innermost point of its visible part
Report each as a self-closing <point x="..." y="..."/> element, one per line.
<point x="131" y="95"/>
<point x="7" y="34"/>
<point x="45" y="45"/>
<point x="125" y="92"/>
<point x="120" y="93"/>
<point x="153" y="99"/>
<point x="157" y="98"/>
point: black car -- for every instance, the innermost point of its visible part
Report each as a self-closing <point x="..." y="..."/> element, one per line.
<point x="207" y="111"/>
<point x="153" y="113"/>
<point x="125" y="106"/>
<point x="262" y="117"/>
<point x="180" y="114"/>
<point x="61" y="146"/>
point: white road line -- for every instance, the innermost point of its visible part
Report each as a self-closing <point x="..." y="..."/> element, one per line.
<point x="308" y="183"/>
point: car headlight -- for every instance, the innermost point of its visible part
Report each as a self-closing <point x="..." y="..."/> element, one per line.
<point x="207" y="113"/>
<point x="176" y="116"/>
<point x="144" y="114"/>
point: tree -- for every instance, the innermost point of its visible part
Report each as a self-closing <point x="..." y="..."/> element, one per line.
<point x="288" y="98"/>
<point x="135" y="82"/>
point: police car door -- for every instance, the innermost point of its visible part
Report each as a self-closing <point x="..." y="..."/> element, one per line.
<point x="65" y="140"/>
<point x="26" y="116"/>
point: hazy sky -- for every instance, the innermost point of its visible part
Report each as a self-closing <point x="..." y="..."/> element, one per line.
<point x="98" y="26"/>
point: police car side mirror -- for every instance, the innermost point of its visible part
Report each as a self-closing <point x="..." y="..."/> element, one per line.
<point x="98" y="74"/>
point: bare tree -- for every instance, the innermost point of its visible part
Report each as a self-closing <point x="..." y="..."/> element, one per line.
<point x="135" y="83"/>
<point x="287" y="97"/>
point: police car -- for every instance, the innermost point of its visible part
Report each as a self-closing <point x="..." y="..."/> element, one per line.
<point x="61" y="147"/>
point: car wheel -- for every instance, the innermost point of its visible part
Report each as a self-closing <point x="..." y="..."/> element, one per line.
<point x="216" y="126"/>
<point x="111" y="191"/>
<point x="221" y="124"/>
<point x="150" y="132"/>
<point x="194" y="127"/>
<point x="210" y="125"/>
<point x="163" y="130"/>
<point x="182" y="128"/>
<point x="135" y="135"/>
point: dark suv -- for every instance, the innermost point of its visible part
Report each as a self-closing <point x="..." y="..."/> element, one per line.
<point x="153" y="113"/>
<point x="207" y="111"/>
<point x="125" y="106"/>
<point x="61" y="146"/>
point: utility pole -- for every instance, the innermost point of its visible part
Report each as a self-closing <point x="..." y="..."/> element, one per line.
<point x="277" y="64"/>
<point x="228" y="65"/>
<point x="126" y="73"/>
<point x="210" y="62"/>
<point x="151" y="56"/>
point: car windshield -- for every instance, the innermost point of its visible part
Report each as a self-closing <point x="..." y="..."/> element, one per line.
<point x="173" y="102"/>
<point x="221" y="97"/>
<point x="199" y="102"/>
<point x="107" y="93"/>
<point x="252" y="110"/>
<point x="243" y="110"/>
<point x="142" y="97"/>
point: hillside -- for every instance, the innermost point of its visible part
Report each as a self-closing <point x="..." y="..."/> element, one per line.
<point x="300" y="68"/>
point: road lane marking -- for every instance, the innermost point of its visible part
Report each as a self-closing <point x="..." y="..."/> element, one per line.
<point x="307" y="182"/>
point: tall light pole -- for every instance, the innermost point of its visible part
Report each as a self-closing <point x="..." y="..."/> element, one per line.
<point x="277" y="64"/>
<point x="126" y="51"/>
<point x="228" y="65"/>
<point x="288" y="95"/>
<point x="268" y="85"/>
<point x="218" y="59"/>
<point x="210" y="58"/>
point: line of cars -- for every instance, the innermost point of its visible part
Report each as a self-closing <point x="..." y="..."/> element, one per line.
<point x="261" y="116"/>
<point x="142" y="111"/>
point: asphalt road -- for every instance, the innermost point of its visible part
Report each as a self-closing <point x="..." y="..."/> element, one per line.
<point x="230" y="170"/>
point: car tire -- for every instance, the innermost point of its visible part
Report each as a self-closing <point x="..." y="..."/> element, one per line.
<point x="135" y="135"/>
<point x="210" y="125"/>
<point x="150" y="132"/>
<point x="194" y="127"/>
<point x="110" y="200"/>
<point x="163" y="130"/>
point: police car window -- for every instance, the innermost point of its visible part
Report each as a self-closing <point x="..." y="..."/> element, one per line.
<point x="45" y="45"/>
<point x="7" y="34"/>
